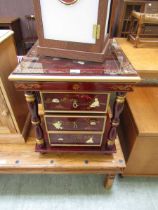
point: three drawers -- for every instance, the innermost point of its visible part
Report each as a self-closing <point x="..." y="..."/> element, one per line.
<point x="79" y="119"/>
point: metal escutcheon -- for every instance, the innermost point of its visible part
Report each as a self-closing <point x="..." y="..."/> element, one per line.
<point x="75" y="104"/>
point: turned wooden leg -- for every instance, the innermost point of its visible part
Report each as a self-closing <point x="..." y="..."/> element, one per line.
<point x="131" y="27"/>
<point x="35" y="118"/>
<point x="109" y="180"/>
<point x="117" y="110"/>
<point x="138" y="32"/>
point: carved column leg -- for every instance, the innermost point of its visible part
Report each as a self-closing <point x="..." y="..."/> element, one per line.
<point x="35" y="118"/>
<point x="109" y="180"/>
<point x="117" y="110"/>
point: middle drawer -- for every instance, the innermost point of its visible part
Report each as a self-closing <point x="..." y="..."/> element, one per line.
<point x="74" y="123"/>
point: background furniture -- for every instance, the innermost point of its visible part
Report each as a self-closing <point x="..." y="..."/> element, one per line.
<point x="139" y="119"/>
<point x="140" y="131"/>
<point x="18" y="8"/>
<point x="21" y="159"/>
<point x="14" y="122"/>
<point x="13" y="23"/>
<point x="31" y="33"/>
<point x="144" y="60"/>
<point x="123" y="8"/>
<point x="143" y="20"/>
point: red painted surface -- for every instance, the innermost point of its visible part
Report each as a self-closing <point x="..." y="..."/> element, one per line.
<point x="75" y="139"/>
<point x="74" y="86"/>
<point x="88" y="149"/>
<point x="76" y="123"/>
<point x="74" y="102"/>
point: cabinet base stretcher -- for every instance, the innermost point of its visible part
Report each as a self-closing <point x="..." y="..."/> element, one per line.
<point x="22" y="159"/>
<point x="59" y="149"/>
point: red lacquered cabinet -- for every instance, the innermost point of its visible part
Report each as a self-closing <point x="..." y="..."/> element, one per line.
<point x="75" y="97"/>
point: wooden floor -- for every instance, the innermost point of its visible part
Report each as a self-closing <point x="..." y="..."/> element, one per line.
<point x="21" y="158"/>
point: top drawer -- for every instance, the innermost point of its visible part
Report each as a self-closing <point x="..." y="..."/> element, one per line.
<point x="75" y="102"/>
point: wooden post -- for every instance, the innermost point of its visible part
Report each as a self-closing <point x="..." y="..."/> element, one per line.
<point x="117" y="110"/>
<point x="35" y="118"/>
<point x="139" y="30"/>
<point x="131" y="27"/>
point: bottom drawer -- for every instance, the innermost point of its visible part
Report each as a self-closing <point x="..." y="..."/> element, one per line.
<point x="77" y="139"/>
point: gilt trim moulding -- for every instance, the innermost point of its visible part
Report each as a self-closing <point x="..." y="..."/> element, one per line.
<point x="49" y="78"/>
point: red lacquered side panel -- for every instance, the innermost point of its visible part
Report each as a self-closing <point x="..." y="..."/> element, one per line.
<point x="77" y="139"/>
<point x="75" y="123"/>
<point x="71" y="102"/>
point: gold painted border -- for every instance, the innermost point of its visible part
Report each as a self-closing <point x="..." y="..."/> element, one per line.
<point x="75" y="132"/>
<point x="82" y="116"/>
<point x="80" y="145"/>
<point x="77" y="111"/>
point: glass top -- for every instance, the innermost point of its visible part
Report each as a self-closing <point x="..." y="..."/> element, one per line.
<point x="33" y="65"/>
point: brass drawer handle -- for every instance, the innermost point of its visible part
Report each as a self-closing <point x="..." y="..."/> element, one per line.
<point x="75" y="104"/>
